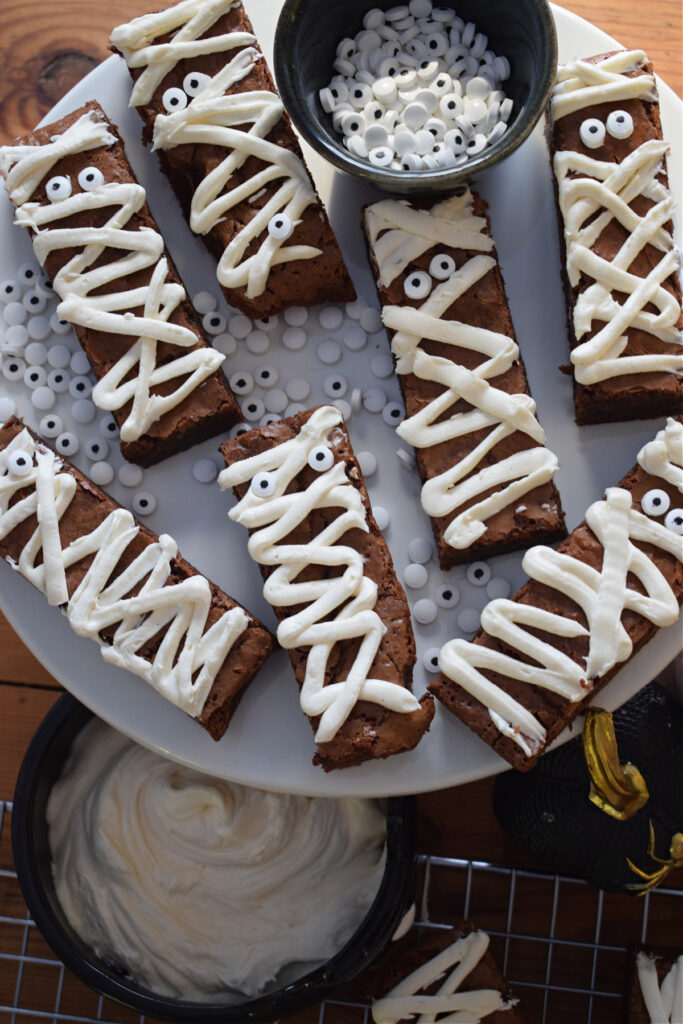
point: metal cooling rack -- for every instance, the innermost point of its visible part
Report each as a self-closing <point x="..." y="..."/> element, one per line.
<point x="33" y="984"/>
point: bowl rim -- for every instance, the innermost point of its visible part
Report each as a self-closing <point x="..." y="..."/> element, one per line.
<point x="396" y="893"/>
<point x="423" y="181"/>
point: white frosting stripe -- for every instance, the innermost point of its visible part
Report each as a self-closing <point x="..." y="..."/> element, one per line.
<point x="581" y="84"/>
<point x="603" y="595"/>
<point x="404" y="1000"/>
<point x="135" y="374"/>
<point x="592" y="194"/>
<point x="407" y="233"/>
<point x="334" y="609"/>
<point x="137" y="602"/>
<point x="664" y="1003"/>
<point x="213" y="117"/>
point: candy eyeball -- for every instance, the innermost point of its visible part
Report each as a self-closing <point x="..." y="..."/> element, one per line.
<point x="280" y="226"/>
<point x="194" y="82"/>
<point x="90" y="178"/>
<point x="58" y="188"/>
<point x="19" y="463"/>
<point x="320" y="458"/>
<point x="592" y="133"/>
<point x="174" y="99"/>
<point x="417" y="285"/>
<point x="263" y="485"/>
<point x="442" y="266"/>
<point x="674" y="521"/>
<point x="619" y="124"/>
<point x="655" y="502"/>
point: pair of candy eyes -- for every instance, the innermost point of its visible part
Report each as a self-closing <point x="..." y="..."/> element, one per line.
<point x="320" y="459"/>
<point x="619" y="125"/>
<point x="657" y="503"/>
<point x="419" y="283"/>
<point x="175" y="99"/>
<point x="60" y="186"/>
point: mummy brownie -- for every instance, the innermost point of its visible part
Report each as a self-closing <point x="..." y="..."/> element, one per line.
<point x="620" y="263"/>
<point x="587" y="608"/>
<point x="480" y="450"/>
<point x="119" y="584"/>
<point x="212" y="113"/>
<point x="344" y="618"/>
<point x="76" y="194"/>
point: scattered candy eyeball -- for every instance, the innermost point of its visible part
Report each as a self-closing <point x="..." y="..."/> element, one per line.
<point x="96" y="449"/>
<point x="241" y="383"/>
<point x="194" y="82"/>
<point x="478" y="574"/>
<point x="280" y="226"/>
<point x="58" y="188"/>
<point x="67" y="443"/>
<point x="253" y="409"/>
<point x="51" y="426"/>
<point x="174" y="99"/>
<point x="214" y="323"/>
<point x="442" y="266"/>
<point x="144" y="503"/>
<point x="447" y="596"/>
<point x="655" y="502"/>
<point x="19" y="463"/>
<point x="619" y="124"/>
<point x="263" y="485"/>
<point x="592" y="133"/>
<point x="674" y="520"/>
<point x="430" y="659"/>
<point x="417" y="285"/>
<point x="90" y="178"/>
<point x="320" y="458"/>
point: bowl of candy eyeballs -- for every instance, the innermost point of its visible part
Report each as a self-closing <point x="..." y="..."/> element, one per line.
<point x="415" y="98"/>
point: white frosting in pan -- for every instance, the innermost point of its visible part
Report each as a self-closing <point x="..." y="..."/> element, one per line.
<point x="582" y="84"/>
<point x="200" y="887"/>
<point x="142" y="313"/>
<point x="593" y="193"/>
<point x="190" y="655"/>
<point x="404" y="1000"/>
<point x="504" y="413"/>
<point x="602" y="595"/>
<point x="333" y="610"/>
<point x="212" y="117"/>
<point x="664" y="1002"/>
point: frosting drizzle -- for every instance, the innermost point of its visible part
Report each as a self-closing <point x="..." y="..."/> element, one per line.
<point x="404" y="1001"/>
<point x="334" y="610"/>
<point x="592" y="194"/>
<point x="132" y="377"/>
<point x="603" y="595"/>
<point x="212" y="117"/>
<point x="398" y="235"/>
<point x="664" y="1003"/>
<point x="137" y="601"/>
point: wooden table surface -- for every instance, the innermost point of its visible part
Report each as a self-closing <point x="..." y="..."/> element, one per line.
<point x="45" y="48"/>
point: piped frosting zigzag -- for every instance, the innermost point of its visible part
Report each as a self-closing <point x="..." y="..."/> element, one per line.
<point x="137" y="602"/>
<point x="141" y="314"/>
<point x="211" y="116"/>
<point x="338" y="609"/>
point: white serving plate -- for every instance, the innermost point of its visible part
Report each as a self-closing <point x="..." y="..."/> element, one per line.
<point x="270" y="743"/>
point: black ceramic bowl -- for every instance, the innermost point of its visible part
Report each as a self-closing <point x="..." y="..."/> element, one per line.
<point x="42" y="766"/>
<point x="306" y="39"/>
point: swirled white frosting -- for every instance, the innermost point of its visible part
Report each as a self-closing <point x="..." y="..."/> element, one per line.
<point x="199" y="886"/>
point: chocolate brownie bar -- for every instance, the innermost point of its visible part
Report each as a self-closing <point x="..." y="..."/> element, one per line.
<point x="93" y="232"/>
<point x="588" y="607"/>
<point x="486" y="473"/>
<point x="328" y="573"/>
<point x="121" y="585"/>
<point x="620" y="265"/>
<point x="420" y="964"/>
<point x="211" y="110"/>
<point x="656" y="993"/>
